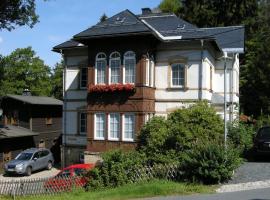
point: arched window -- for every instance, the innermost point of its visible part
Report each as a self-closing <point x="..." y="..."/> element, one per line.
<point x="130" y="66"/>
<point x="115" y="63"/>
<point x="178" y="75"/>
<point x="101" y="68"/>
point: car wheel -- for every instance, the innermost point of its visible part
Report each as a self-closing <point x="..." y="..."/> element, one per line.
<point x="49" y="165"/>
<point x="28" y="171"/>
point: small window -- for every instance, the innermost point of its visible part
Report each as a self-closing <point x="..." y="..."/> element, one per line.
<point x="49" y="121"/>
<point x="178" y="75"/>
<point x="83" y="78"/>
<point x="101" y="68"/>
<point x="100" y="126"/>
<point x="129" y="127"/>
<point x="83" y="123"/>
<point x="115" y="64"/>
<point x="114" y="124"/>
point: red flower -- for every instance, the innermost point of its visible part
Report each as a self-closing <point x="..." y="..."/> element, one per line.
<point x="118" y="87"/>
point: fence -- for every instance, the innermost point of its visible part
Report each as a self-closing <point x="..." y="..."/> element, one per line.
<point x="44" y="187"/>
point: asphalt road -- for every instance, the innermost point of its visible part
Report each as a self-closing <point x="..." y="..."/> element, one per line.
<point x="259" y="194"/>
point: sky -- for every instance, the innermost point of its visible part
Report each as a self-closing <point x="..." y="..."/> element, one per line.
<point x="60" y="20"/>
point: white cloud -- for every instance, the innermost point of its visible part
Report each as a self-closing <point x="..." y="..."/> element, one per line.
<point x="1" y="40"/>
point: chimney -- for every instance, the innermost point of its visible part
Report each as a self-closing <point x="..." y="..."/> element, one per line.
<point x="146" y="11"/>
<point x="26" y="92"/>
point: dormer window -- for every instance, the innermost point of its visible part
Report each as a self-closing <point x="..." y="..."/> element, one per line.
<point x="115" y="64"/>
<point x="100" y="68"/>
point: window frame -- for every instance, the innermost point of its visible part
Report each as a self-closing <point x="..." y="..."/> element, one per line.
<point x="128" y="57"/>
<point x="109" y="127"/>
<point x="104" y="58"/>
<point x="110" y="64"/>
<point x="124" y="126"/>
<point x="80" y="123"/>
<point x="81" y="74"/>
<point x="184" y="78"/>
<point x="95" y="127"/>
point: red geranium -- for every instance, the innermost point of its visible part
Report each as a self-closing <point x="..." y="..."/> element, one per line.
<point x="118" y="87"/>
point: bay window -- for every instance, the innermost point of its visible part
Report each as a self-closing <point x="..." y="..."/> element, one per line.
<point x="101" y="68"/>
<point x="130" y="66"/>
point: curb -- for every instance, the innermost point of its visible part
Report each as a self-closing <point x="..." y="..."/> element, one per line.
<point x="244" y="186"/>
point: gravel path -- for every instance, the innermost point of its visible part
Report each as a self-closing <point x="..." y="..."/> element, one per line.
<point x="39" y="174"/>
<point x="251" y="172"/>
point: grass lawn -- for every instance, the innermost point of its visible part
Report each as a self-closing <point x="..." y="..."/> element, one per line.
<point x="131" y="191"/>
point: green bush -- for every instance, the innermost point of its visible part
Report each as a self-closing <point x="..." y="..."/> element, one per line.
<point x="210" y="163"/>
<point x="197" y="124"/>
<point x="152" y="141"/>
<point x="240" y="135"/>
<point x="263" y="120"/>
<point x="117" y="169"/>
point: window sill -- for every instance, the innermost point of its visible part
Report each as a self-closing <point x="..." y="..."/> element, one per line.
<point x="113" y="139"/>
<point x="99" y="139"/>
<point x="177" y="88"/>
<point x="128" y="140"/>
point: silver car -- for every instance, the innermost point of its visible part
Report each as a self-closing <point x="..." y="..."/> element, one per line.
<point x="30" y="160"/>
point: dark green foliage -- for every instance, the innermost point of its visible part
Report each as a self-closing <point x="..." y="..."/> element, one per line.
<point x="57" y="81"/>
<point x="210" y="163"/>
<point x="103" y="18"/>
<point x="240" y="135"/>
<point x="117" y="169"/>
<point x="194" y="125"/>
<point x="153" y="141"/>
<point x="17" y="13"/>
<point x="22" y="69"/>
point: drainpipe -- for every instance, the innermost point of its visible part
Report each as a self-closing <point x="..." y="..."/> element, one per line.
<point x="225" y="99"/>
<point x="64" y="111"/>
<point x="201" y="72"/>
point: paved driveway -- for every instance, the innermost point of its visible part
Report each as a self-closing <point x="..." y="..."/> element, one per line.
<point x="250" y="172"/>
<point x="39" y="174"/>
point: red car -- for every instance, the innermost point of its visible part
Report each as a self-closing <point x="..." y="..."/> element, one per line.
<point x="69" y="178"/>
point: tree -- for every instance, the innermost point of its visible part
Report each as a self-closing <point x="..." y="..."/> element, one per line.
<point x="103" y="18"/>
<point x="57" y="81"/>
<point x="17" y="13"/>
<point x="209" y="13"/>
<point x="22" y="69"/>
<point x="255" y="82"/>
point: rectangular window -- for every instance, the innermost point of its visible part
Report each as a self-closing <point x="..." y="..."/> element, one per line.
<point x="147" y="67"/>
<point x="100" y="70"/>
<point x="178" y="75"/>
<point x="115" y="71"/>
<point x="130" y="70"/>
<point x="129" y="127"/>
<point x="100" y="126"/>
<point x="83" y="123"/>
<point x="83" y="78"/>
<point x="48" y="121"/>
<point x="114" y="124"/>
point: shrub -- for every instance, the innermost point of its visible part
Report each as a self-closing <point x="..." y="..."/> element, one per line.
<point x="117" y="169"/>
<point x="263" y="120"/>
<point x="152" y="141"/>
<point x="240" y="135"/>
<point x="210" y="163"/>
<point x="197" y="124"/>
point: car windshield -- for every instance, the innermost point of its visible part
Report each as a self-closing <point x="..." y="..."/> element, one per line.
<point x="24" y="156"/>
<point x="264" y="133"/>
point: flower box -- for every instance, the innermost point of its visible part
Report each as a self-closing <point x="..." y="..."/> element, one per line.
<point x="112" y="88"/>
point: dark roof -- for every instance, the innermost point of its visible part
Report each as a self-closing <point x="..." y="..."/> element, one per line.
<point x="122" y="23"/>
<point x="231" y="38"/>
<point x="35" y="100"/>
<point x="10" y="131"/>
<point x="68" y="44"/>
<point x="166" y="27"/>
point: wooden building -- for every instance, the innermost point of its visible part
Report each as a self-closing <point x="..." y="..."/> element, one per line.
<point x="40" y="115"/>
